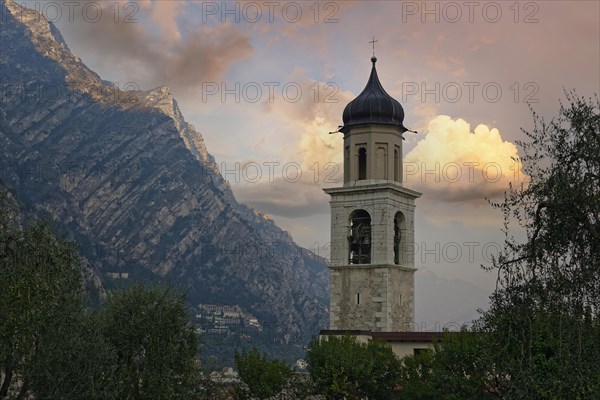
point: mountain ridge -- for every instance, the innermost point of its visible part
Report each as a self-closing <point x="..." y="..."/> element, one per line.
<point x="133" y="183"/>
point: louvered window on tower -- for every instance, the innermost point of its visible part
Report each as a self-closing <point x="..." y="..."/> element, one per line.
<point x="397" y="165"/>
<point x="362" y="164"/>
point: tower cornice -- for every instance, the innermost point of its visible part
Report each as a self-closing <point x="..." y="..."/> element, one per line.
<point x="372" y="267"/>
<point x="371" y="188"/>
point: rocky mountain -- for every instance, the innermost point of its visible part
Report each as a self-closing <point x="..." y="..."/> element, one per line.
<point x="132" y="182"/>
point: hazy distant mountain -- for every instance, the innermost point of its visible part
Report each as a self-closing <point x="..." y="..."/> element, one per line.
<point x="132" y="182"/>
<point x="447" y="303"/>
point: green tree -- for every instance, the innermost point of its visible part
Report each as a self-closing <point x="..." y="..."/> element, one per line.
<point x="458" y="368"/>
<point x="156" y="345"/>
<point x="264" y="378"/>
<point x="544" y="321"/>
<point x="78" y="363"/>
<point x="416" y="377"/>
<point x="46" y="349"/>
<point x="540" y="338"/>
<point x="140" y="345"/>
<point x="341" y="367"/>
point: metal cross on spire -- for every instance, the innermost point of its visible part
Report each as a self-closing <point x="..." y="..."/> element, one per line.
<point x="373" y="43"/>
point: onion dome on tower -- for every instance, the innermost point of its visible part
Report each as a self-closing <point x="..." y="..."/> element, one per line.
<point x="373" y="106"/>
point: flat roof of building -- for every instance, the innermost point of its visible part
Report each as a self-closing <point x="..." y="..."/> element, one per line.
<point x="389" y="336"/>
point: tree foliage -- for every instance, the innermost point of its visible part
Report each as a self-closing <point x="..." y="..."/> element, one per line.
<point x="540" y="338"/>
<point x="140" y="345"/>
<point x="264" y="378"/>
<point x="557" y="266"/>
<point x="341" y="367"/>
<point x="155" y="344"/>
<point x="458" y="368"/>
<point x="77" y="363"/>
<point x="544" y="318"/>
<point x="42" y="313"/>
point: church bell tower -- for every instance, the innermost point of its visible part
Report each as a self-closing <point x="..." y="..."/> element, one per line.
<point x="372" y="220"/>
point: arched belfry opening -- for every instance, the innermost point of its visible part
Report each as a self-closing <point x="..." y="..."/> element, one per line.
<point x="359" y="238"/>
<point x="362" y="164"/>
<point x="399" y="227"/>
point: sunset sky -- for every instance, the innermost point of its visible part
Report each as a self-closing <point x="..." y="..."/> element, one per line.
<point x="463" y="71"/>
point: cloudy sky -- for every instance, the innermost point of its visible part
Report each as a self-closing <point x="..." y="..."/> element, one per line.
<point x="265" y="82"/>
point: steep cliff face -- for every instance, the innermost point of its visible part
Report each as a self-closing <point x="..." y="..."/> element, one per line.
<point x="132" y="182"/>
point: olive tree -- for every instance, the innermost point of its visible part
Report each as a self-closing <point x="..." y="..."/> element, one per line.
<point x="544" y="319"/>
<point x="341" y="367"/>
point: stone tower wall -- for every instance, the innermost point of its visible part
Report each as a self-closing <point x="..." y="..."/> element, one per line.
<point x="378" y="296"/>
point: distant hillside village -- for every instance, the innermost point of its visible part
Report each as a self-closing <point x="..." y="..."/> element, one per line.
<point x="224" y="319"/>
<point x="222" y="325"/>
